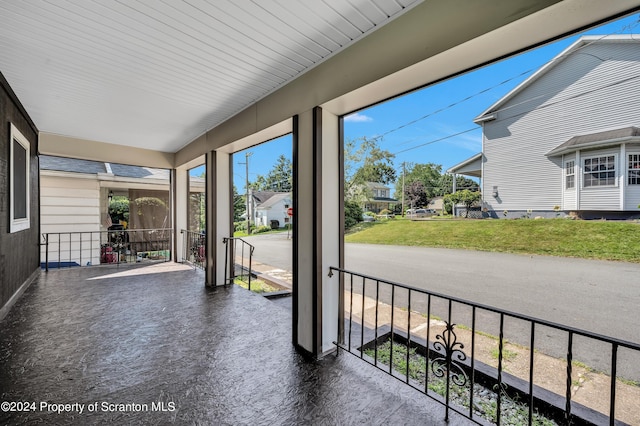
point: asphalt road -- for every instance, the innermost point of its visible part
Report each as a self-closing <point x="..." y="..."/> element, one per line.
<point x="598" y="296"/>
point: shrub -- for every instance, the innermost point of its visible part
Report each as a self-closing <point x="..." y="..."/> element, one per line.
<point x="385" y="211"/>
<point x="352" y="214"/>
<point x="242" y="226"/>
<point x="261" y="228"/>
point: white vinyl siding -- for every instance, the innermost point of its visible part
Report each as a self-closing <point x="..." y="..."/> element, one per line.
<point x="576" y="97"/>
<point x="70" y="204"/>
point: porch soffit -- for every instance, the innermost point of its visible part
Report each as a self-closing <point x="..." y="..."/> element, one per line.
<point x="153" y="77"/>
<point x="470" y="167"/>
<point x="156" y="74"/>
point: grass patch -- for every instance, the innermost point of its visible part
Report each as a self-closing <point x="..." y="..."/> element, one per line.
<point x="507" y="354"/>
<point x="257" y="286"/>
<point x="512" y="411"/>
<point x="242" y="234"/>
<point x="605" y="240"/>
<point x="628" y="382"/>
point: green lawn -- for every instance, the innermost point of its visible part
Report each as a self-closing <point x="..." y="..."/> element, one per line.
<point x="608" y="240"/>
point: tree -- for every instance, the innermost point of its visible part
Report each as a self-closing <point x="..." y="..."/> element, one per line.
<point x="279" y="178"/>
<point x="428" y="175"/>
<point x="446" y="183"/>
<point x="365" y="161"/>
<point x="466" y="197"/>
<point x="197" y="211"/>
<point x="416" y="195"/>
<point x="239" y="205"/>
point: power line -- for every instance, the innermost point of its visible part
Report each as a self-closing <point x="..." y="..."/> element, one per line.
<point x="627" y="27"/>
<point x="559" y="101"/>
<point x="454" y="104"/>
<point x="438" y="140"/>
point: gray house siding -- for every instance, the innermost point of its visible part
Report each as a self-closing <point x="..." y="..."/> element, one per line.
<point x="19" y="251"/>
<point x="592" y="89"/>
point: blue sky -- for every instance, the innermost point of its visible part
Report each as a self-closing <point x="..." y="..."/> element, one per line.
<point x="377" y="120"/>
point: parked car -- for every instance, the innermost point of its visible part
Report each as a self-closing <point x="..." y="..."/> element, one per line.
<point x="367" y="218"/>
<point x="418" y="213"/>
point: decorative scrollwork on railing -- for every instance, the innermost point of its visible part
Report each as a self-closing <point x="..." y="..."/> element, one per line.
<point x="447" y="344"/>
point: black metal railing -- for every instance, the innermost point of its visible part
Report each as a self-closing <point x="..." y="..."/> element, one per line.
<point x="68" y="249"/>
<point x="194" y="248"/>
<point x="238" y="260"/>
<point x="470" y="366"/>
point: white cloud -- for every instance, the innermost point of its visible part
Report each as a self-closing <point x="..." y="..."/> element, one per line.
<point x="358" y="118"/>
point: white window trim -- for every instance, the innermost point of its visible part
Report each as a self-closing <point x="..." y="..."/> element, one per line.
<point x="21" y="224"/>
<point x="627" y="159"/>
<point x="616" y="170"/>
<point x="567" y="174"/>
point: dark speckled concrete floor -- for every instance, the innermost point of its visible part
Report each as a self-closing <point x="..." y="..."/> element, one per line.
<point x="155" y="336"/>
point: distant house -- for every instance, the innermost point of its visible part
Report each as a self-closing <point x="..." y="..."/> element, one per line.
<point x="377" y="197"/>
<point x="437" y="204"/>
<point x="568" y="138"/>
<point x="274" y="208"/>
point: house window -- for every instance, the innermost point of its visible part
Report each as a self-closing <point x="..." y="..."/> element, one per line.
<point x="19" y="188"/>
<point x="634" y="169"/>
<point x="570" y="174"/>
<point x="600" y="171"/>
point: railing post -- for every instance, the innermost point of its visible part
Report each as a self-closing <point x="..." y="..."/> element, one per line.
<point x="225" y="241"/>
<point x="250" y="256"/>
<point x="46" y="252"/>
<point x="612" y="403"/>
<point x="569" y="384"/>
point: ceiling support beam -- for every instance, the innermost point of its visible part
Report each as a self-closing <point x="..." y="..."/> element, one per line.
<point x="63" y="146"/>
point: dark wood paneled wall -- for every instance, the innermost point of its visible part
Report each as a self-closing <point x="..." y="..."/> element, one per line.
<point x="20" y="251"/>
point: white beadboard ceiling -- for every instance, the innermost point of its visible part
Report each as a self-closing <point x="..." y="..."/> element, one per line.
<point x="158" y="73"/>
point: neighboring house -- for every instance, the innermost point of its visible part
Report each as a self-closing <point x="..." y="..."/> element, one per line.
<point x="74" y="197"/>
<point x="567" y="139"/>
<point x="378" y="198"/>
<point x="274" y="208"/>
<point x="437" y="204"/>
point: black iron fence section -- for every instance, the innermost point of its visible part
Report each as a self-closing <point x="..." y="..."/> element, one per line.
<point x="194" y="248"/>
<point x="489" y="364"/>
<point x="68" y="249"/>
<point x="237" y="261"/>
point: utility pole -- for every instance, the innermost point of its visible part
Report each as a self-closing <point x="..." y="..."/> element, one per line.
<point x="403" y="172"/>
<point x="246" y="185"/>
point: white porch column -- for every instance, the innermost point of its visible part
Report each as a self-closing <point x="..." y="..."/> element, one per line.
<point x="454" y="188"/>
<point x="219" y="214"/>
<point x="179" y="182"/>
<point x="317" y="235"/>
